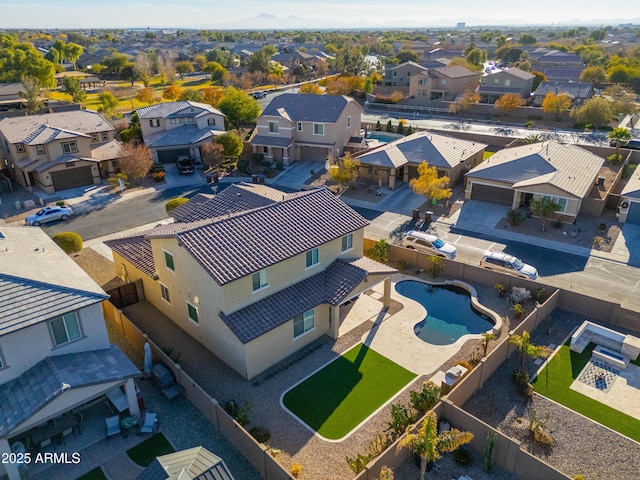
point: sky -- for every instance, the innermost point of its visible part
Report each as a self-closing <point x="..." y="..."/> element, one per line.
<point x="219" y="14"/>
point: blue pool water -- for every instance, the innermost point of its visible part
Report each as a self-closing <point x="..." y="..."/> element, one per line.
<point x="383" y="138"/>
<point x="449" y="312"/>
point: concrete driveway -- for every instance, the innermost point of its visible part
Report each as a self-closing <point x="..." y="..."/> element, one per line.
<point x="297" y="174"/>
<point x="478" y="216"/>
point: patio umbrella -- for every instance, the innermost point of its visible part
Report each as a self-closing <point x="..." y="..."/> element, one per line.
<point x="148" y="358"/>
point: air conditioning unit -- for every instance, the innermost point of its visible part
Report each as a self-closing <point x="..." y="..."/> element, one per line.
<point x="600" y="181"/>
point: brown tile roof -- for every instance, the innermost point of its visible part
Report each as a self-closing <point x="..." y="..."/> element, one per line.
<point x="137" y="250"/>
<point x="331" y="286"/>
<point x="229" y="248"/>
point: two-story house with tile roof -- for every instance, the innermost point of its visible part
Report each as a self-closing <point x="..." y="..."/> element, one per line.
<point x="578" y="92"/>
<point x="255" y="274"/>
<point x="399" y="161"/>
<point x="57" y="151"/>
<point x="443" y="83"/>
<point x="566" y="173"/>
<point x="173" y="129"/>
<point x="55" y="353"/>
<point x="400" y="75"/>
<point x="509" y="80"/>
<point x="306" y="127"/>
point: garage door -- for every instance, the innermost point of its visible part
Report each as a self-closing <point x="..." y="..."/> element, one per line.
<point x="634" y="213"/>
<point x="488" y="193"/>
<point x="170" y="156"/>
<point x="314" y="154"/>
<point x="72" y="178"/>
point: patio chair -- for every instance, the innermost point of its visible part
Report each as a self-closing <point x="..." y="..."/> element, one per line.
<point x="112" y="425"/>
<point x="149" y="424"/>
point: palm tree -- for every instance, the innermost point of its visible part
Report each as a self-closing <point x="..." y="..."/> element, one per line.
<point x="621" y="136"/>
<point x="484" y="341"/>
<point x="429" y="444"/>
<point x="527" y="349"/>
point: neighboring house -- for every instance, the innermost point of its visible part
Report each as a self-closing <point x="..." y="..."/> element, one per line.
<point x="514" y="176"/>
<point x="629" y="210"/>
<point x="562" y="74"/>
<point x="556" y="58"/>
<point x="172" y="129"/>
<point x="510" y="80"/>
<point x="400" y="75"/>
<point x="11" y="97"/>
<point x="57" y="151"/>
<point x="578" y="92"/>
<point x="306" y="127"/>
<point x="192" y="464"/>
<point x="398" y="161"/>
<point x="55" y="353"/>
<point x="443" y="83"/>
<point x="257" y="281"/>
<point x="442" y="53"/>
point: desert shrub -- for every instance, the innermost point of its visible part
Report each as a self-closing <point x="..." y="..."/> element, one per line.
<point x="628" y="170"/>
<point x="543" y="438"/>
<point x="262" y="435"/>
<point x="437" y="265"/>
<point x="69" y="242"/>
<point x="279" y="166"/>
<point x="296" y="470"/>
<point x="358" y="463"/>
<point x="401" y="418"/>
<point x="424" y="400"/>
<point x="520" y="377"/>
<point x="379" y="444"/>
<point x="242" y="166"/>
<point x="462" y="456"/>
<point x="515" y="217"/>
<point x="401" y="264"/>
<point x="174" y="203"/>
<point x="518" y="310"/>
<point x="614" y="158"/>
<point x="519" y="295"/>
<point x="465" y="364"/>
<point x="379" y="251"/>
<point x="387" y="474"/>
<point x="240" y="413"/>
<point x="60" y="203"/>
<point x="578" y="477"/>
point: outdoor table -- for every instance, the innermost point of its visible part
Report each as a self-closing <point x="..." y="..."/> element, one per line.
<point x="52" y="429"/>
<point x="128" y="423"/>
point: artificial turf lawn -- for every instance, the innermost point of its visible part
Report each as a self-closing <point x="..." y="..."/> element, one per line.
<point x="95" y="474"/>
<point x="555" y="379"/>
<point x="155" y="446"/>
<point x="336" y="399"/>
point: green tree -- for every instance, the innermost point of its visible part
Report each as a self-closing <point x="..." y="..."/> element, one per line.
<point x="73" y="87"/>
<point x="344" y="171"/>
<point x="429" y="445"/>
<point x="389" y="126"/>
<point x="108" y="103"/>
<point x="556" y="104"/>
<point x="528" y="349"/>
<point x="184" y="67"/>
<point x="69" y="242"/>
<point x="544" y="208"/>
<point x="379" y="251"/>
<point x="31" y="93"/>
<point x="72" y="53"/>
<point x="539" y="77"/>
<point x="223" y="57"/>
<point x="429" y="184"/>
<point x="424" y="400"/>
<point x="509" y="102"/>
<point x="20" y="60"/>
<point x="260" y="60"/>
<point x="231" y="144"/>
<point x="175" y="203"/>
<point x="528" y="39"/>
<point x="116" y="62"/>
<point x="238" y="107"/>
<point x="407" y="55"/>
<point x="190" y="95"/>
<point x="477" y="56"/>
<point x="621" y="136"/>
<point x="596" y="111"/>
<point x="216" y="70"/>
<point x="594" y="74"/>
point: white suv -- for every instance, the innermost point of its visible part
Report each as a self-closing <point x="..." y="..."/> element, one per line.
<point x="508" y="264"/>
<point x="428" y="243"/>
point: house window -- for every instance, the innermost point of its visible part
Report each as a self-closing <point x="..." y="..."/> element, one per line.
<point x="559" y="200"/>
<point x="273" y="127"/>
<point x="168" y="261"/>
<point x="312" y="257"/>
<point x="211" y="122"/>
<point x="349" y="121"/>
<point x="70" y="147"/>
<point x="154" y="122"/>
<point x="181" y="120"/>
<point x="443" y="81"/>
<point x="190" y="119"/>
<point x="496" y="82"/>
<point x="40" y="149"/>
<point x="260" y="280"/>
<point x="373" y="169"/>
<point x="192" y="312"/>
<point x="94" y="137"/>
<point x="173" y="121"/>
<point x="347" y="242"/>
<point x="318" y="128"/>
<point x="164" y="291"/>
<point x="395" y="74"/>
<point x="303" y="322"/>
<point x="65" y="329"/>
<point x="299" y="126"/>
<point x="20" y="147"/>
<point x="507" y="82"/>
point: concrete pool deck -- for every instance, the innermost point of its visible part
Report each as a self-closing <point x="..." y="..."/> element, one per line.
<point x="393" y="335"/>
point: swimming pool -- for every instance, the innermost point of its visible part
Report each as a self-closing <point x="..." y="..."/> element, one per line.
<point x="449" y="312"/>
<point x="383" y="137"/>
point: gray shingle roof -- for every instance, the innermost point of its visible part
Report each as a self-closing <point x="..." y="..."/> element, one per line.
<point x="47" y="380"/>
<point x="137" y="250"/>
<point x="26" y="302"/>
<point x="231" y="248"/>
<point x="170" y="109"/>
<point x="573" y="89"/>
<point x="182" y="135"/>
<point x="456" y="71"/>
<point x="307" y="108"/>
<point x="194" y="464"/>
<point x="80" y="122"/>
<point x="331" y="286"/>
<point x="437" y="150"/>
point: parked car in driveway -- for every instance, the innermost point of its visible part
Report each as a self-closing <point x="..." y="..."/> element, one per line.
<point x="505" y="263"/>
<point x="428" y="243"/>
<point x="49" y="214"/>
<point x="185" y="165"/>
<point x="258" y="95"/>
